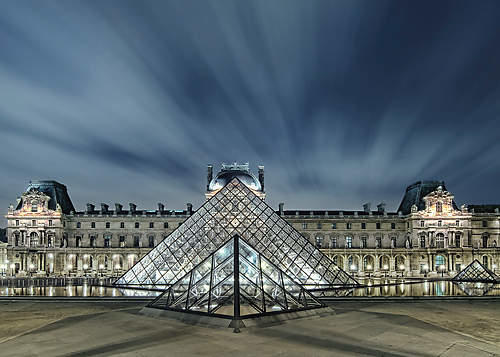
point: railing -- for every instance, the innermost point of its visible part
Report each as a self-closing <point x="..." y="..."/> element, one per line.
<point x="62" y="281"/>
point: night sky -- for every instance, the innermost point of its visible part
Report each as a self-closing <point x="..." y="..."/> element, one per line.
<point x="344" y="102"/>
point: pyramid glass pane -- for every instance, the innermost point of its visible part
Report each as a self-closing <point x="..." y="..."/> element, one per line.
<point x="235" y="209"/>
<point x="263" y="287"/>
<point x="476" y="272"/>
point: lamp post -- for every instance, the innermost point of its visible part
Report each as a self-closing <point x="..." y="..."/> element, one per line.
<point x="13" y="267"/>
<point x="386" y="268"/>
<point x="402" y="268"/>
<point x="31" y="267"/>
<point x="426" y="269"/>
<point x="441" y="267"/>
<point x="369" y="268"/>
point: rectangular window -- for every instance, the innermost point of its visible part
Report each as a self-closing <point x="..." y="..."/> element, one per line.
<point x="165" y="225"/>
<point x="348" y="242"/>
<point x="151" y="225"/>
<point x="440" y="223"/>
<point x="422" y="223"/>
<point x="108" y="225"/>
<point x="363" y="225"/>
<point x="304" y="225"/>
<point x="33" y="223"/>
<point x="393" y="225"/>
<point x="378" y="225"/>
<point x="457" y="223"/>
<point x="151" y="241"/>
<point x="122" y="241"/>
<point x="122" y="224"/>
<point x="136" y="224"/>
<point x="50" y="223"/>
<point x="348" y="225"/>
<point x="92" y="225"/>
<point x="92" y="241"/>
<point x="107" y="241"/>
<point x="485" y="224"/>
<point x="334" y="225"/>
<point x="34" y="208"/>
<point x="379" y="242"/>
<point x="319" y="225"/>
<point x="422" y="242"/>
<point x="363" y="242"/>
<point x="136" y="242"/>
<point x="17" y="222"/>
<point x="334" y="242"/>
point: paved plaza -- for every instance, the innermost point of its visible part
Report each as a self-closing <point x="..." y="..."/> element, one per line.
<point x="430" y="328"/>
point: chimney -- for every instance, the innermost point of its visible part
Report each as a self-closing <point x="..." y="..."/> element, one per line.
<point x="381" y="207"/>
<point x="367" y="207"/>
<point x="189" y="209"/>
<point x="118" y="208"/>
<point x="161" y="207"/>
<point x="281" y="208"/>
<point x="90" y="208"/>
<point x="133" y="207"/>
<point x="210" y="174"/>
<point x="261" y="177"/>
<point x="104" y="208"/>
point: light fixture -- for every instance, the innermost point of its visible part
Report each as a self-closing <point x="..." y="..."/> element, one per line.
<point x="117" y="266"/>
<point x="386" y="267"/>
<point x="31" y="266"/>
<point x="85" y="266"/>
<point x="101" y="266"/>
<point x="369" y="267"/>
<point x="426" y="267"/>
<point x="402" y="267"/>
<point x="12" y="266"/>
<point x="353" y="267"/>
<point x="70" y="266"/>
<point x="50" y="255"/>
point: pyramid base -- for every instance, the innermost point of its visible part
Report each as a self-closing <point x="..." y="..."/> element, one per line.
<point x="220" y="322"/>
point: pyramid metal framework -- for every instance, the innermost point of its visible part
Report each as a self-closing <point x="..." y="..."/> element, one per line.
<point x="236" y="282"/>
<point x="476" y="272"/>
<point x="236" y="210"/>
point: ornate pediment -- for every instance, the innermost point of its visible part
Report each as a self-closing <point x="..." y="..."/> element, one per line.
<point x="439" y="203"/>
<point x="34" y="202"/>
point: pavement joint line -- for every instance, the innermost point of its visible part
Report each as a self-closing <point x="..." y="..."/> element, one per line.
<point x="9" y="338"/>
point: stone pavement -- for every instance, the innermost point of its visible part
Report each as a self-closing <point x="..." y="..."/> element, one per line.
<point x="358" y="328"/>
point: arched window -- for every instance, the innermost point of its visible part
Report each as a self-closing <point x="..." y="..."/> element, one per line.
<point x="33" y="239"/>
<point x="78" y="241"/>
<point x="107" y="241"/>
<point x="151" y="240"/>
<point x="439" y="262"/>
<point x="439" y="207"/>
<point x="485" y="261"/>
<point x="422" y="241"/>
<point x="457" y="240"/>
<point x="440" y="240"/>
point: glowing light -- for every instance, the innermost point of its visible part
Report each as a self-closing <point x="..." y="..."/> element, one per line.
<point x="426" y="267"/>
<point x="70" y="266"/>
<point x="31" y="266"/>
<point x="101" y="266"/>
<point x="369" y="267"/>
<point x="402" y="267"/>
<point x="353" y="267"/>
<point x="50" y="255"/>
<point x="85" y="266"/>
<point x="117" y="266"/>
<point x="12" y="266"/>
<point x="386" y="267"/>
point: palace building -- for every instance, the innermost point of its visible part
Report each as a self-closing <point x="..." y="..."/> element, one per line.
<point x="427" y="235"/>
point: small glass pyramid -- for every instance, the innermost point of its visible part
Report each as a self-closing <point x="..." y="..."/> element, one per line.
<point x="236" y="282"/>
<point x="476" y="272"/>
<point x="237" y="210"/>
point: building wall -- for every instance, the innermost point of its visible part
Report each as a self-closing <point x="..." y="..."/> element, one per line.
<point x="375" y="243"/>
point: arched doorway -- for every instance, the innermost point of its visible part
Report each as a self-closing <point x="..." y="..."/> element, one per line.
<point x="368" y="263"/>
<point x="439" y="263"/>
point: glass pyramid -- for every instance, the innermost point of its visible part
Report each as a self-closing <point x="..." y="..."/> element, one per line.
<point x="236" y="282"/>
<point x="476" y="272"/>
<point x="236" y="210"/>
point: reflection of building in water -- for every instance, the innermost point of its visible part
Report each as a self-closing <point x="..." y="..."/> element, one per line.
<point x="427" y="235"/>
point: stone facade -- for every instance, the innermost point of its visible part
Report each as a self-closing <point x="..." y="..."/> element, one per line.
<point x="431" y="237"/>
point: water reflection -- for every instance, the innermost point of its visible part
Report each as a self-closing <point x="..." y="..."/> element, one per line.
<point x="76" y="291"/>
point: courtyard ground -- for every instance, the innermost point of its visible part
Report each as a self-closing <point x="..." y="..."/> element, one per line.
<point x="430" y="328"/>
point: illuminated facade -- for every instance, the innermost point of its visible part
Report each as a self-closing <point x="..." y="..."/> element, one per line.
<point x="427" y="235"/>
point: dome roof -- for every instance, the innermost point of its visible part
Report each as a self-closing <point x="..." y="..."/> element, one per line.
<point x="226" y="175"/>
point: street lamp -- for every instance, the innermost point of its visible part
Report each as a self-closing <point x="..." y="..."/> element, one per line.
<point x="402" y="268"/>
<point x="442" y="270"/>
<point x="13" y="266"/>
<point x="386" y="268"/>
<point x="426" y="268"/>
<point x="31" y="267"/>
<point x="369" y="267"/>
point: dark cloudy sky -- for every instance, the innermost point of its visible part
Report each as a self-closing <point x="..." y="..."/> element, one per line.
<point x="343" y="101"/>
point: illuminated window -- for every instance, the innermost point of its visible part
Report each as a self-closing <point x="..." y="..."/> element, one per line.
<point x="348" y="242"/>
<point x="334" y="242"/>
<point x="319" y="241"/>
<point x="439" y="207"/>
<point x="34" y="207"/>
<point x="122" y="241"/>
<point x="440" y="240"/>
<point x="107" y="241"/>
